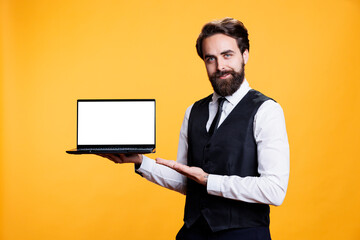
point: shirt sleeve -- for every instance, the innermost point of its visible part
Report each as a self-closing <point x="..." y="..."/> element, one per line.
<point x="164" y="176"/>
<point x="273" y="162"/>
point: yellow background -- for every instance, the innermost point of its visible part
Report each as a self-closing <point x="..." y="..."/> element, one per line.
<point x="305" y="54"/>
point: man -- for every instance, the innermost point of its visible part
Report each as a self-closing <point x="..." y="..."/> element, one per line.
<point x="233" y="155"/>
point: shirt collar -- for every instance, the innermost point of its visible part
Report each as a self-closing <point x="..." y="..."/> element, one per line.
<point x="237" y="96"/>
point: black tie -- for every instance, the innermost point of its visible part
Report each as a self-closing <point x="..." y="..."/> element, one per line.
<point x="215" y="123"/>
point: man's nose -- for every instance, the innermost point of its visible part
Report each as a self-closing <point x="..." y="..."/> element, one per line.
<point x="220" y="65"/>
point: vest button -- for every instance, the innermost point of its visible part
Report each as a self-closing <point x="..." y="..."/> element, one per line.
<point x="208" y="145"/>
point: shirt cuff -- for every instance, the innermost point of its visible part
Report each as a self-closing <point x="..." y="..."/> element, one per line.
<point x="214" y="184"/>
<point x="146" y="166"/>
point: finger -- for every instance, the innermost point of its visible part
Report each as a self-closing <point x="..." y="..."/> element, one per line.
<point x="168" y="163"/>
<point x="112" y="157"/>
<point x="181" y="168"/>
<point x="130" y="155"/>
<point x="103" y="155"/>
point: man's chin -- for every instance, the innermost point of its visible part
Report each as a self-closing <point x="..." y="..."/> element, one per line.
<point x="226" y="86"/>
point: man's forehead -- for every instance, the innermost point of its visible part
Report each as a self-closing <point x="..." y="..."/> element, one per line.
<point x="218" y="43"/>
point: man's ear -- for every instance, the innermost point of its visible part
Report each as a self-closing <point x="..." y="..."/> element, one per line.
<point x="245" y="56"/>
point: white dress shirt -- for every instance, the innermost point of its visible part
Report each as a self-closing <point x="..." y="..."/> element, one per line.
<point x="272" y="149"/>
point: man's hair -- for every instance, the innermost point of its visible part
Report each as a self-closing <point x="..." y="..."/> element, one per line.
<point x="227" y="26"/>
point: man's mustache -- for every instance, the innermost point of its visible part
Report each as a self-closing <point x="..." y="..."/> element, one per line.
<point x="223" y="73"/>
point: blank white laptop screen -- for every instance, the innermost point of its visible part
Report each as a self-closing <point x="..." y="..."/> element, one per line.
<point x="116" y="122"/>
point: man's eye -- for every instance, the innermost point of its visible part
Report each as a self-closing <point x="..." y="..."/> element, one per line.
<point x="227" y="55"/>
<point x="210" y="59"/>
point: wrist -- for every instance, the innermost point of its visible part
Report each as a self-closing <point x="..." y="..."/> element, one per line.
<point x="206" y="176"/>
<point x="140" y="159"/>
<point x="137" y="165"/>
<point x="138" y="162"/>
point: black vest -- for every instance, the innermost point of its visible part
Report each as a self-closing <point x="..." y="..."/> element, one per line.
<point x="231" y="150"/>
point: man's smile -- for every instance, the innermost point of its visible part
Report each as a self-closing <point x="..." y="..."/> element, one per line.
<point x="225" y="76"/>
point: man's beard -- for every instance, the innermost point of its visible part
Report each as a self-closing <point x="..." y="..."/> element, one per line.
<point x="227" y="87"/>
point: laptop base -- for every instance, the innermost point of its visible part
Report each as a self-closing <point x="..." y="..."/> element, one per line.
<point x="120" y="151"/>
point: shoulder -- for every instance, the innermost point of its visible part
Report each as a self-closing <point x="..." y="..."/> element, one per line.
<point x="195" y="105"/>
<point x="270" y="107"/>
<point x="269" y="110"/>
<point x="258" y="97"/>
<point x="204" y="100"/>
<point x="187" y="112"/>
<point x="269" y="115"/>
<point x="200" y="103"/>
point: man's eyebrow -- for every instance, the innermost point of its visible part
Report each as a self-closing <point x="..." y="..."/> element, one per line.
<point x="227" y="51"/>
<point x="208" y="55"/>
<point x="222" y="53"/>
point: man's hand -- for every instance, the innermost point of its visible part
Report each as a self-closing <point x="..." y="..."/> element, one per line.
<point x="123" y="158"/>
<point x="194" y="173"/>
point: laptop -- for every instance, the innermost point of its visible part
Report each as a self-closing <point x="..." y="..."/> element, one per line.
<point x="115" y="126"/>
